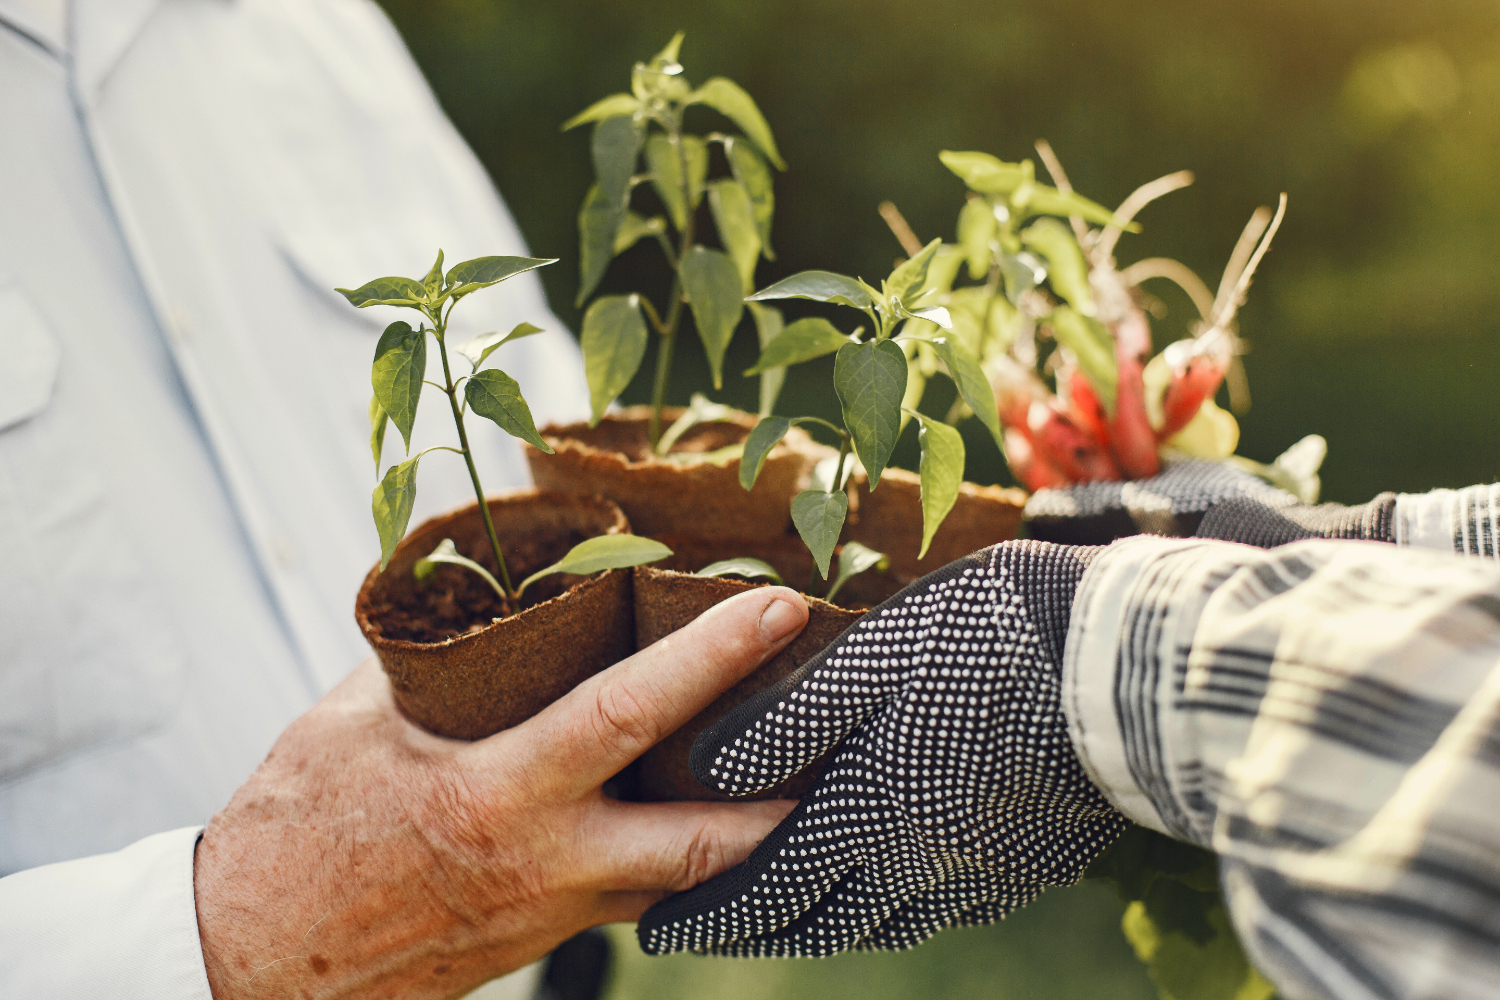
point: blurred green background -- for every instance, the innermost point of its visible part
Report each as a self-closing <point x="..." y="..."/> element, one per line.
<point x="1372" y="322"/>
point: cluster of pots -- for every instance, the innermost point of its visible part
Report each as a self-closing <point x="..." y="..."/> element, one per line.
<point x="463" y="664"/>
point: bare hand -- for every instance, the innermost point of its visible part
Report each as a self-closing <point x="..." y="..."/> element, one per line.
<point x="369" y="858"/>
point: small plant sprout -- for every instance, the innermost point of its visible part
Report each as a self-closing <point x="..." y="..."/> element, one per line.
<point x="854" y="559"/>
<point x="648" y="122"/>
<point x="399" y="376"/>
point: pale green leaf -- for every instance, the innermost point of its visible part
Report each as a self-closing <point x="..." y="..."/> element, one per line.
<point x="768" y="326"/>
<point x="735" y="218"/>
<point x="744" y="566"/>
<point x="712" y="285"/>
<point x="803" y="340"/>
<point x="1045" y="200"/>
<point x="1094" y="348"/>
<point x="976" y="229"/>
<point x="820" y="286"/>
<point x="433" y="283"/>
<point x="603" y="552"/>
<point x="599" y="223"/>
<point x="936" y="315"/>
<point x="634" y="228"/>
<point x="496" y="396"/>
<point x="987" y="174"/>
<point x="378" y="419"/>
<point x="615" y="147"/>
<point x="665" y="163"/>
<point x="854" y="559"/>
<point x="730" y="100"/>
<point x="972" y="384"/>
<point x="700" y="410"/>
<point x="400" y="365"/>
<point x="447" y="552"/>
<point x="386" y="292"/>
<point x="482" y="272"/>
<point x="870" y="379"/>
<point x="613" y="106"/>
<point x="942" y="472"/>
<point x="667" y="57"/>
<point x="1067" y="270"/>
<point x="763" y="437"/>
<point x="912" y="274"/>
<point x="482" y="346"/>
<point x="391" y="504"/>
<point x="819" y="517"/>
<point x="614" y="342"/>
<point x="751" y="171"/>
<point x="941" y="273"/>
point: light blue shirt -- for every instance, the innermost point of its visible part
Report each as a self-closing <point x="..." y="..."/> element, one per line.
<point x="185" y="471"/>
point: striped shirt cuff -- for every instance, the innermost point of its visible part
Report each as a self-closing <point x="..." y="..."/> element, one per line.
<point x="1465" y="521"/>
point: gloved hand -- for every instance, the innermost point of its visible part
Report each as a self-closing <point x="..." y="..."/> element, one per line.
<point x="956" y="796"/>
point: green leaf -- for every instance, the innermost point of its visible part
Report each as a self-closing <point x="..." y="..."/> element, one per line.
<point x="941" y="273"/>
<point x="386" y="292"/>
<point x="765" y="436"/>
<point x="744" y="566"/>
<point x="668" y="55"/>
<point x="1094" y="348"/>
<point x="447" y="552"/>
<point x="854" y="559"/>
<point x="735" y="218"/>
<point x="870" y="379"/>
<point x="634" y="228"/>
<point x="613" y="106"/>
<point x="614" y="342"/>
<point x="804" y="340"/>
<point x="730" y="100"/>
<point x="712" y="284"/>
<point x="391" y="504"/>
<point x="1050" y="201"/>
<point x="496" y="396"/>
<point x="601" y="553"/>
<point x="1067" y="270"/>
<point x="987" y="174"/>
<point x="378" y="418"/>
<point x="820" y="286"/>
<point x="751" y="171"/>
<point x="400" y="365"/>
<point x="665" y="164"/>
<point x="976" y="228"/>
<point x="942" y="472"/>
<point x="598" y="235"/>
<point x="700" y="410"/>
<point x="819" y="517"/>
<point x="912" y="274"/>
<point x="433" y="283"/>
<point x="972" y="384"/>
<point x="482" y="346"/>
<point x="482" y="272"/>
<point x="615" y="146"/>
<point x="768" y="326"/>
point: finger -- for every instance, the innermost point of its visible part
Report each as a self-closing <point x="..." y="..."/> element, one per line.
<point x="613" y="717"/>
<point x="673" y="846"/>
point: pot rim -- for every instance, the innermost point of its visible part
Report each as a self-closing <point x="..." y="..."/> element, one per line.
<point x="563" y="440"/>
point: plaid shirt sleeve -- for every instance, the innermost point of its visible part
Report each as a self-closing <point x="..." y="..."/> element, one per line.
<point x="1326" y="717"/>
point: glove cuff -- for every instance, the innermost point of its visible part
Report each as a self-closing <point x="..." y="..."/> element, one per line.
<point x="1252" y="522"/>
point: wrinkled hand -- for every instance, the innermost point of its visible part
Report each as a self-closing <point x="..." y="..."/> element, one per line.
<point x="955" y="797"/>
<point x="368" y="858"/>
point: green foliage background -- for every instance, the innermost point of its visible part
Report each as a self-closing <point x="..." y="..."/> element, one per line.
<point x="1373" y="320"/>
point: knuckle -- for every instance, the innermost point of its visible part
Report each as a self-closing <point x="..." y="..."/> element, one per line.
<point x="701" y="859"/>
<point x="622" y="720"/>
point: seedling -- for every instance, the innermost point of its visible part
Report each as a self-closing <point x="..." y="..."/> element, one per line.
<point x="854" y="559"/>
<point x="398" y="377"/>
<point x="648" y="122"/>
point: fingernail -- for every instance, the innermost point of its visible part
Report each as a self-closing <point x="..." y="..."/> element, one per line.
<point x="779" y="620"/>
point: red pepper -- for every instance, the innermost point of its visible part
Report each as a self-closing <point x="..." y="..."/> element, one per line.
<point x="1198" y="380"/>
<point x="1130" y="434"/>
<point x="1032" y="470"/>
<point x="1069" y="447"/>
<point x="1086" y="408"/>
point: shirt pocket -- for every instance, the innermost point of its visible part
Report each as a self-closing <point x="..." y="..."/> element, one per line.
<point x="88" y="655"/>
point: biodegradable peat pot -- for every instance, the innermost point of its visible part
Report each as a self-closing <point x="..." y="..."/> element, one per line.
<point x="665" y="601"/>
<point x="890" y="521"/>
<point x="459" y="666"/>
<point x="664" y="495"/>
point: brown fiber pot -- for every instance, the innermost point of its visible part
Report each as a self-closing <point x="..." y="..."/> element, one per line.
<point x="890" y="520"/>
<point x="659" y="495"/>
<point x="665" y="601"/>
<point x="460" y="663"/>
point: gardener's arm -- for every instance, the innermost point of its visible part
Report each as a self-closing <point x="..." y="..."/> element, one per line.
<point x="367" y="858"/>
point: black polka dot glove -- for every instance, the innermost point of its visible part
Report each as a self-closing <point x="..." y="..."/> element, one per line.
<point x="1172" y="503"/>
<point x="955" y="796"/>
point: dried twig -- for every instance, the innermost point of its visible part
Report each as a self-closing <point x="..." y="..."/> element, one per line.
<point x="1240" y="257"/>
<point x="1176" y="272"/>
<point x="904" y="235"/>
<point x="1139" y="199"/>
<point x="1225" y="310"/>
<point x="1060" y="178"/>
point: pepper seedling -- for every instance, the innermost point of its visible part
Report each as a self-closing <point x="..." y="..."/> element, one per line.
<point x="648" y="123"/>
<point x="398" y="377"/>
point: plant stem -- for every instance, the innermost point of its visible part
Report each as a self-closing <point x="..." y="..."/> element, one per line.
<point x="833" y="487"/>
<point x="463" y="440"/>
<point x="674" y="311"/>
